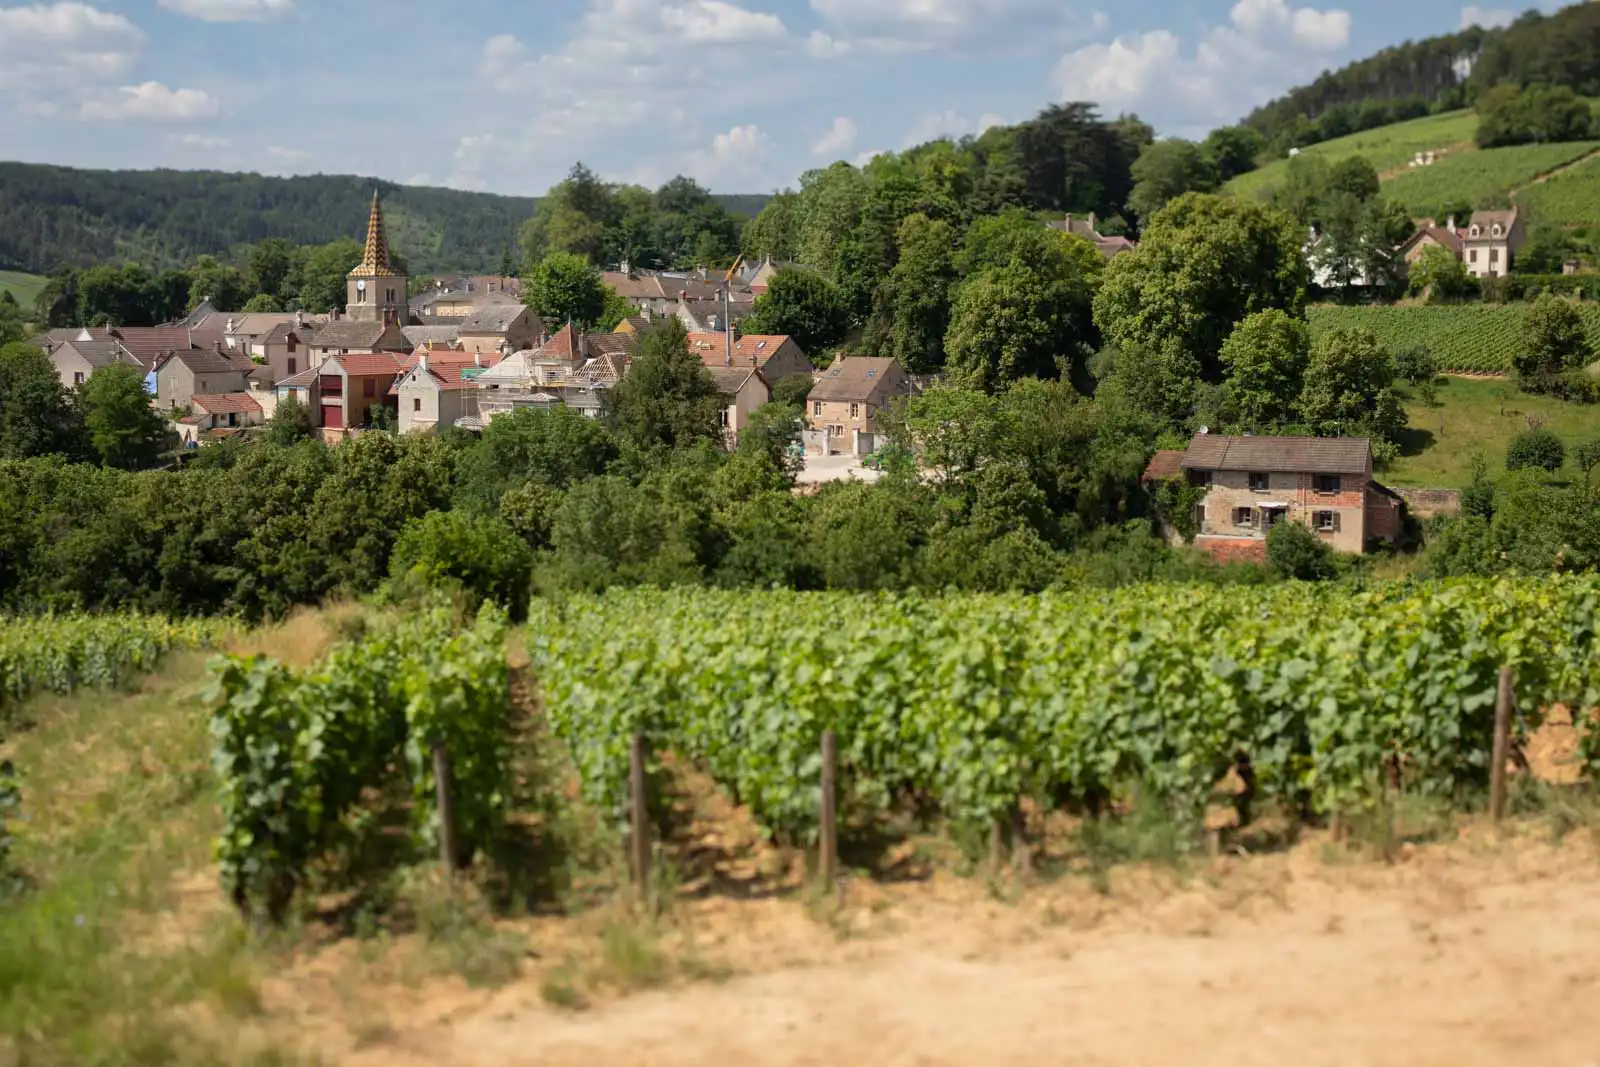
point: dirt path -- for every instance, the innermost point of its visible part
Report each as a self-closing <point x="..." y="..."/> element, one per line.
<point x="1483" y="958"/>
<point x="1540" y="179"/>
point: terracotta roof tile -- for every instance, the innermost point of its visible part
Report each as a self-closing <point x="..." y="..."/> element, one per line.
<point x="1289" y="455"/>
<point x="223" y="403"/>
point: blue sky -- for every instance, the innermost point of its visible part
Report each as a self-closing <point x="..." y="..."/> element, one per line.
<point x="744" y="95"/>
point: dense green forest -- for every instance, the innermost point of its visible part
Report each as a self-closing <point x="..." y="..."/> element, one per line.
<point x="1436" y="74"/>
<point x="51" y="216"/>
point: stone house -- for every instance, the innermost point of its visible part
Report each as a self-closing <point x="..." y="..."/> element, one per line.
<point x="243" y="331"/>
<point x="1431" y="235"/>
<point x="1492" y="240"/>
<point x="79" y="357"/>
<point x="193" y="372"/>
<point x="212" y="418"/>
<point x="1254" y="483"/>
<point x="499" y="329"/>
<point x="437" y="390"/>
<point x="1088" y="228"/>
<point x="350" y="337"/>
<point x="285" y="350"/>
<point x="847" y="398"/>
<point x="745" y="389"/>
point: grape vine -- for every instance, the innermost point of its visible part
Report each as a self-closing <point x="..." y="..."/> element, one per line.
<point x="978" y="701"/>
<point x="295" y="752"/>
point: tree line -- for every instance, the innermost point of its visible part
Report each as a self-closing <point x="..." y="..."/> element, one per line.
<point x="1437" y="74"/>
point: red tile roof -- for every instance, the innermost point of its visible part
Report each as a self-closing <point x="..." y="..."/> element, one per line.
<point x="223" y="403"/>
<point x="368" y="365"/>
<point x="447" y="376"/>
<point x="1165" y="464"/>
<point x="563" y="346"/>
<point x="712" y="348"/>
<point x="147" y="343"/>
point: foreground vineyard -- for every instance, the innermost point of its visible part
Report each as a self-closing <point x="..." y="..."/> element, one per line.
<point x="976" y="702"/>
<point x="61" y="653"/>
<point x="1468" y="337"/>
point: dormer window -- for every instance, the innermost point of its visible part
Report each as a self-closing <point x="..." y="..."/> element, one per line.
<point x="1497" y="229"/>
<point x="1476" y="230"/>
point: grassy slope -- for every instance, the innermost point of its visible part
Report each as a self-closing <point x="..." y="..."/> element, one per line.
<point x="1463" y="173"/>
<point x="1572" y="196"/>
<point x="1478" y="415"/>
<point x="1387" y="148"/>
<point x="24" y="287"/>
<point x="1466" y="337"/>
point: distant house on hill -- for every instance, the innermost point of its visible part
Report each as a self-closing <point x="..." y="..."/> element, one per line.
<point x="1493" y="239"/>
<point x="1254" y="483"/>
<point x="1088" y="228"/>
<point x="848" y="396"/>
<point x="1431" y="235"/>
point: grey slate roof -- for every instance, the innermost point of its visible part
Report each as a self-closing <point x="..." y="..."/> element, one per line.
<point x="349" y="333"/>
<point x="99" y="353"/>
<point x="495" y="318"/>
<point x="207" y="361"/>
<point x="1289" y="455"/>
<point x="855" y="378"/>
<point x="421" y="335"/>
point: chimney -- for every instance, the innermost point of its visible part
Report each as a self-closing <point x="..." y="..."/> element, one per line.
<point x="1451" y="224"/>
<point x="477" y="358"/>
<point x="422" y="360"/>
<point x="229" y="328"/>
<point x="299" y="318"/>
<point x="626" y="267"/>
<point x="1092" y="227"/>
<point x="727" y="327"/>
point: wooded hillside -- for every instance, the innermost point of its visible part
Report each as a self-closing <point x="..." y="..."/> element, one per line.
<point x="165" y="218"/>
<point x="1438" y="73"/>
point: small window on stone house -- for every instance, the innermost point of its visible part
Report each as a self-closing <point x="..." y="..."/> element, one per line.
<point x="1326" y="483"/>
<point x="1472" y="256"/>
<point x="724" y="418"/>
<point x="1258" y="481"/>
<point x="77" y="377"/>
<point x="1494" y="255"/>
<point x="855" y="411"/>
<point x="1325" y="521"/>
<point x="291" y="366"/>
<point x="1497" y="229"/>
<point x="1199" y="479"/>
<point x="816" y="407"/>
<point x="416" y="403"/>
<point x="1244" y="517"/>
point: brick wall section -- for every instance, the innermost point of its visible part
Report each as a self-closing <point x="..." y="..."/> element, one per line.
<point x="1383" y="517"/>
<point x="1426" y="503"/>
<point x="1234" y="549"/>
<point x="1231" y="490"/>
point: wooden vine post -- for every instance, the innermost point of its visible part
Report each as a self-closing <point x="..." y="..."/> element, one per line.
<point x="828" y="837"/>
<point x="444" y="790"/>
<point x="639" y="838"/>
<point x="1500" y="751"/>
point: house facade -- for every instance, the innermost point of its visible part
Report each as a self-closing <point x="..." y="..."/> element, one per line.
<point x="848" y="397"/>
<point x="76" y="359"/>
<point x="349" y="337"/>
<point x="743" y="389"/>
<point x="348" y="387"/>
<point x="1491" y="241"/>
<point x="213" y="418"/>
<point x="193" y="372"/>
<point x="285" y="350"/>
<point x="436" y="392"/>
<point x="1254" y="483"/>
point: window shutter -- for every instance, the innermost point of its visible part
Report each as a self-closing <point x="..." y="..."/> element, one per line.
<point x="1336" y="522"/>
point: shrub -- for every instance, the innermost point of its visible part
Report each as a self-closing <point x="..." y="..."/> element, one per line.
<point x="1554" y="342"/>
<point x="1539" y="449"/>
<point x="1415" y="364"/>
<point x="1293" y="551"/>
<point x="483" y="555"/>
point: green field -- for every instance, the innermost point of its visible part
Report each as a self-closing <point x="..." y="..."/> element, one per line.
<point x="1572" y="197"/>
<point x="1386" y="148"/>
<point x="24" y="287"/>
<point x="1479" y="415"/>
<point x="1465" y="173"/>
<point x="1474" y="338"/>
<point x="1473" y="176"/>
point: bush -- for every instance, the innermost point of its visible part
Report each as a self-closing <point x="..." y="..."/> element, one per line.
<point x="1536" y="449"/>
<point x="1554" y="342"/>
<point x="483" y="555"/>
<point x="1293" y="551"/>
<point x="1416" y="364"/>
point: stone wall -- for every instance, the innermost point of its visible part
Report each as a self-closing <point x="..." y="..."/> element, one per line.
<point x="1426" y="503"/>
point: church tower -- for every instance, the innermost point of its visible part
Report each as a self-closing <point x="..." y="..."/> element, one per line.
<point x="375" y="291"/>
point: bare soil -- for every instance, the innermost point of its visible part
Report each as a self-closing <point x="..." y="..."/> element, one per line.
<point x="1484" y="950"/>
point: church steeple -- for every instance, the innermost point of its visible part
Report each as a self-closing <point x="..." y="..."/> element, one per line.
<point x="375" y="291"/>
<point x="375" y="261"/>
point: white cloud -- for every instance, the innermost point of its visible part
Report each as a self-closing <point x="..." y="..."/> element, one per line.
<point x="150" y="102"/>
<point x="1266" y="45"/>
<point x="898" y="25"/>
<point x="741" y="150"/>
<point x="288" y="155"/>
<point x="64" y="44"/>
<point x="948" y="124"/>
<point x="205" y="140"/>
<point x="1488" y="17"/>
<point x="868" y="156"/>
<point x="840" y="138"/>
<point x="229" y="10"/>
<point x="713" y="21"/>
<point x="943" y="13"/>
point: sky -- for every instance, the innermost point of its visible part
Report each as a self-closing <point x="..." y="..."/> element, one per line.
<point x="742" y="95"/>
